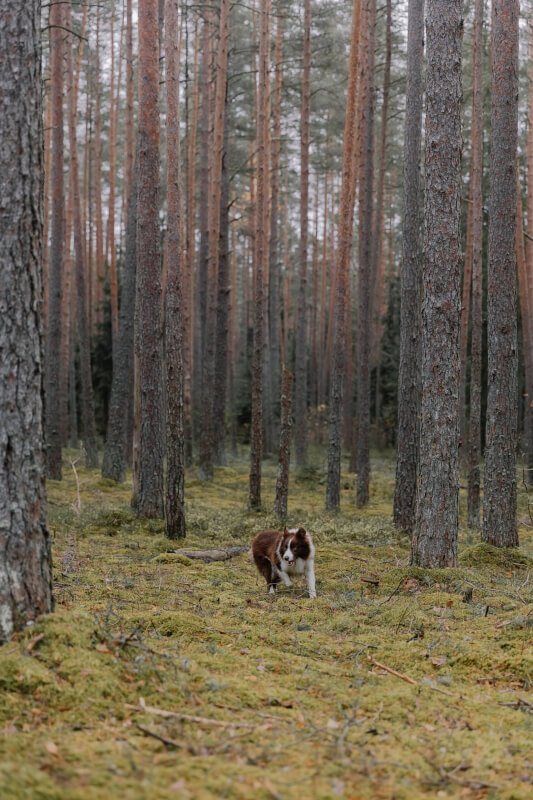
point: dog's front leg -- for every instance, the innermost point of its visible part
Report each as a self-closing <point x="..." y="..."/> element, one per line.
<point x="310" y="576"/>
<point x="285" y="578"/>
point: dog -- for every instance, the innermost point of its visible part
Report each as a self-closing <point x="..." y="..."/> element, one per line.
<point x="280" y="555"/>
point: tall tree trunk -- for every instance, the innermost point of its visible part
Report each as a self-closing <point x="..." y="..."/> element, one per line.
<point x="282" y="481"/>
<point x="112" y="148"/>
<point x="364" y="318"/>
<point x="121" y="399"/>
<point x="99" y="277"/>
<point x="207" y="443"/>
<point x="224" y="289"/>
<point x="149" y="498"/>
<point x="409" y="374"/>
<point x="378" y="258"/>
<point x="130" y="112"/>
<point x="203" y="222"/>
<point x="346" y="222"/>
<point x="261" y="258"/>
<point x="437" y="513"/>
<point x="188" y="294"/>
<point x="175" y="488"/>
<point x="476" y="179"/>
<point x="529" y="255"/>
<point x="84" y="336"/>
<point x="53" y="378"/>
<point x="25" y="554"/>
<point x="300" y="371"/>
<point x="274" y="245"/>
<point x="499" y="505"/>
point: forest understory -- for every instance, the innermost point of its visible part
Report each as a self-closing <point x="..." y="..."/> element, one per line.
<point x="162" y="677"/>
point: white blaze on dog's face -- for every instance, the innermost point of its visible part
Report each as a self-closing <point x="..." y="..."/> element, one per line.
<point x="287" y="552"/>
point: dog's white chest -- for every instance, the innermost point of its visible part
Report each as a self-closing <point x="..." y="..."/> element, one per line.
<point x="298" y="568"/>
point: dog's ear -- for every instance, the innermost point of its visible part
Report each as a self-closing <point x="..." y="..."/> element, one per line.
<point x="301" y="533"/>
<point x="285" y="531"/>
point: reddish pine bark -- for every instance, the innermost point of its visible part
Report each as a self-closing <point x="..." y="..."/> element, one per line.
<point x="346" y="222"/>
<point x="282" y="481"/>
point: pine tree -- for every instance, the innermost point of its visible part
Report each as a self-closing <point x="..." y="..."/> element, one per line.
<point x="499" y="499"/>
<point x="437" y="510"/>
<point x="409" y="376"/>
<point x="175" y="479"/>
<point x="149" y="496"/>
<point x="25" y="557"/>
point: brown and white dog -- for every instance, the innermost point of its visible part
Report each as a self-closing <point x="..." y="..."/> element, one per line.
<point x="278" y="555"/>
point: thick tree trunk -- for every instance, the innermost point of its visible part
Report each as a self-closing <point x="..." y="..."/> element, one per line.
<point x="53" y="378"/>
<point x="25" y="557"/>
<point x="300" y="371"/>
<point x="282" y="481"/>
<point x="409" y="374"/>
<point x="437" y="513"/>
<point x="499" y="506"/>
<point x="474" y="428"/>
<point x="149" y="498"/>
<point x="528" y="444"/>
<point x="99" y="276"/>
<point x="365" y="281"/>
<point x="346" y="222"/>
<point x="175" y="486"/>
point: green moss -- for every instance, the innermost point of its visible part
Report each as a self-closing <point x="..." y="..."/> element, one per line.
<point x="132" y="625"/>
<point x="502" y="558"/>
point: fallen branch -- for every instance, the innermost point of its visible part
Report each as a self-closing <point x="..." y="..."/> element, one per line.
<point x="408" y="679"/>
<point x="161" y="712"/>
<point x="213" y="555"/>
<point x="391" y="671"/>
<point x="163" y="739"/>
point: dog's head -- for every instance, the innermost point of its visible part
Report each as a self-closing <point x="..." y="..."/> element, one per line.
<point x="294" y="544"/>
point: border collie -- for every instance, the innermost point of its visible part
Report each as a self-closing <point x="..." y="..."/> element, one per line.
<point x="278" y="555"/>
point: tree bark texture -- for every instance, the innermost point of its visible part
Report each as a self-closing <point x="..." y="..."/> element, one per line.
<point x="25" y="557"/>
<point x="437" y="513"/>
<point x="499" y="506"/>
<point x="409" y="374"/>
<point x="175" y="484"/>
<point x="300" y="370"/>
<point x="474" y="427"/>
<point x="282" y="481"/>
<point x="53" y="377"/>
<point x="149" y="498"/>
<point x="346" y="224"/>
<point x="365" y="281"/>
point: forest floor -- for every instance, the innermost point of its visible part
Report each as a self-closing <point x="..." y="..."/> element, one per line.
<point x="270" y="697"/>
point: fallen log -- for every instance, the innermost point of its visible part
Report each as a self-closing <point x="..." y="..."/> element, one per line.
<point x="213" y="555"/>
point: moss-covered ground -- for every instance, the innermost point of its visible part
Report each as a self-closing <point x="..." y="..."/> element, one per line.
<point x="306" y="709"/>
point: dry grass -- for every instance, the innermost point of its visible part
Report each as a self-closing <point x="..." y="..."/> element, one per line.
<point x="308" y="712"/>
